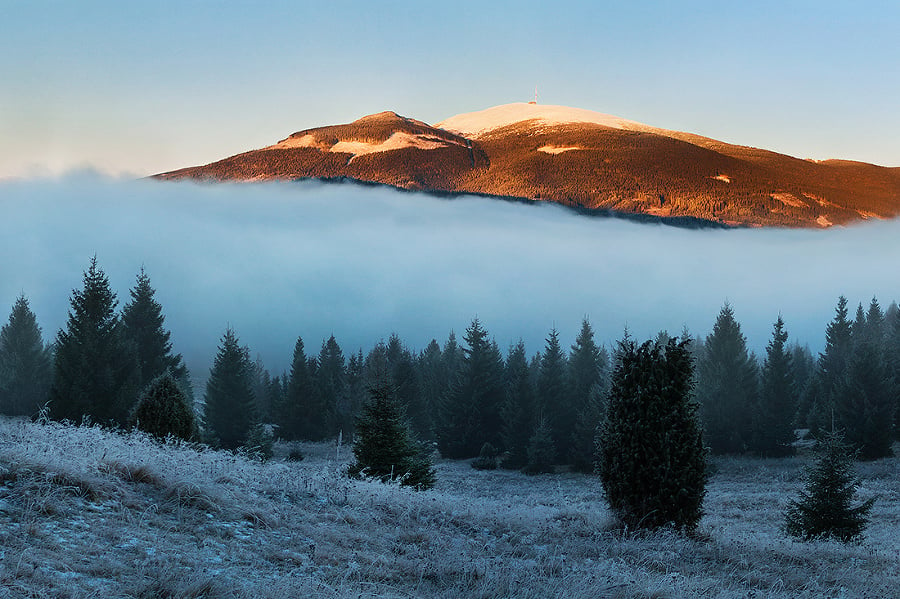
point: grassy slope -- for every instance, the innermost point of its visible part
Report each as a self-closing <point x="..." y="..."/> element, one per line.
<point x="89" y="513"/>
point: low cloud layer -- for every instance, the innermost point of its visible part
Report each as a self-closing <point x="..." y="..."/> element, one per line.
<point x="276" y="261"/>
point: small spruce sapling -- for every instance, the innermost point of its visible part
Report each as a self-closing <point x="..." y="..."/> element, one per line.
<point x="541" y="450"/>
<point x="824" y="508"/>
<point x="384" y="447"/>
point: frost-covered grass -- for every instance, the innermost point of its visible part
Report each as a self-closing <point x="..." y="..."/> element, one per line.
<point x="85" y="512"/>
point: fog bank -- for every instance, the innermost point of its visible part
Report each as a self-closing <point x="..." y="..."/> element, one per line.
<point x="275" y="261"/>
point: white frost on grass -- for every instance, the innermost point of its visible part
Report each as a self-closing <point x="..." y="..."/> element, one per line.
<point x="93" y="513"/>
<point x="477" y="124"/>
<point x="551" y="149"/>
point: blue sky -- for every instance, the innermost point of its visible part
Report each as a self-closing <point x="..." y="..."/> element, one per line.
<point x="139" y="87"/>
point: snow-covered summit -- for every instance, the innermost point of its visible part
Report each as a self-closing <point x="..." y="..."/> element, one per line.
<point x="476" y="124"/>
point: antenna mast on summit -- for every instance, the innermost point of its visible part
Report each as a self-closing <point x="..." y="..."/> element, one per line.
<point x="535" y="94"/>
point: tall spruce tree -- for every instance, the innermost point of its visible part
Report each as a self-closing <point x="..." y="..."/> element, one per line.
<point x="864" y="404"/>
<point x="433" y="382"/>
<point x="26" y="363"/>
<point x="588" y="366"/>
<point x="518" y="408"/>
<point x="143" y="326"/>
<point x="331" y="384"/>
<point x="95" y="372"/>
<point x="303" y="415"/>
<point x="726" y="386"/>
<point x="773" y="417"/>
<point x="470" y="412"/>
<point x="554" y="403"/>
<point x="817" y="410"/>
<point x="229" y="409"/>
<point x="650" y="454"/>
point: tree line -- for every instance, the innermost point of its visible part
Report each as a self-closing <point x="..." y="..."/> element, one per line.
<point x="469" y="397"/>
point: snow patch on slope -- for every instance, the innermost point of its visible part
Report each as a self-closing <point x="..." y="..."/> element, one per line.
<point x="550" y="149"/>
<point x="476" y="124"/>
<point x="397" y="141"/>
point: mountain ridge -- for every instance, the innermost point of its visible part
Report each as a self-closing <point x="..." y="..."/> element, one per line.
<point x="579" y="158"/>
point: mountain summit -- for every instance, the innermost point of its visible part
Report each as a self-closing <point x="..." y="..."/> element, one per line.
<point x="578" y="158"/>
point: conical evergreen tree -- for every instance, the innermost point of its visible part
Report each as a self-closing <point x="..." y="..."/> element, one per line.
<point x="553" y="398"/>
<point x="518" y="408"/>
<point x="824" y="508"/>
<point x="384" y="447"/>
<point x="229" y="409"/>
<point x="774" y="414"/>
<point x="143" y="322"/>
<point x="651" y="459"/>
<point x="433" y="383"/>
<point x="818" y="402"/>
<point x="95" y="372"/>
<point x="726" y="386"/>
<point x="541" y="450"/>
<point x="588" y="366"/>
<point x="26" y="363"/>
<point x="864" y="406"/>
<point x="470" y="412"/>
<point x="304" y="416"/>
<point x="331" y="384"/>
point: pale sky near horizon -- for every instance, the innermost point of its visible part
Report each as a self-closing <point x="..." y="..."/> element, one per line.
<point x="136" y="88"/>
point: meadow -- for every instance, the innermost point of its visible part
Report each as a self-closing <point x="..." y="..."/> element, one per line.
<point x="88" y="512"/>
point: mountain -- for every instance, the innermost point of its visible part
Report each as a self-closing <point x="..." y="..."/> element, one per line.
<point x="578" y="158"/>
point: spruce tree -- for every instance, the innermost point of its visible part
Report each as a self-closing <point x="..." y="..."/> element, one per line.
<point x="433" y="382"/>
<point x="26" y="363"/>
<point x="143" y="325"/>
<point x="331" y="385"/>
<point x="541" y="450"/>
<point x="95" y="373"/>
<point x="864" y="405"/>
<point x="824" y="509"/>
<point x="384" y="446"/>
<point x="774" y="414"/>
<point x="164" y="410"/>
<point x="650" y="454"/>
<point x="818" y="403"/>
<point x="303" y="415"/>
<point x="470" y="412"/>
<point x="588" y="365"/>
<point x="726" y="386"/>
<point x="518" y="408"/>
<point x="229" y="408"/>
<point x="554" y="403"/>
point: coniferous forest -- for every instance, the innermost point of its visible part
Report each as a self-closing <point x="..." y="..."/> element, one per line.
<point x="462" y="394"/>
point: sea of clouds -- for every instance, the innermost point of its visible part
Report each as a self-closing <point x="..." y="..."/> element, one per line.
<point x="278" y="261"/>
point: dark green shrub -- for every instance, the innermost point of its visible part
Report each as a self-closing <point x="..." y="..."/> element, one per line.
<point x="163" y="410"/>
<point x="487" y="459"/>
<point x="651" y="459"/>
<point x="823" y="509"/>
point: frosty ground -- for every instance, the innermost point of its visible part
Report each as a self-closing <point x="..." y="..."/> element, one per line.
<point x="86" y="512"/>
